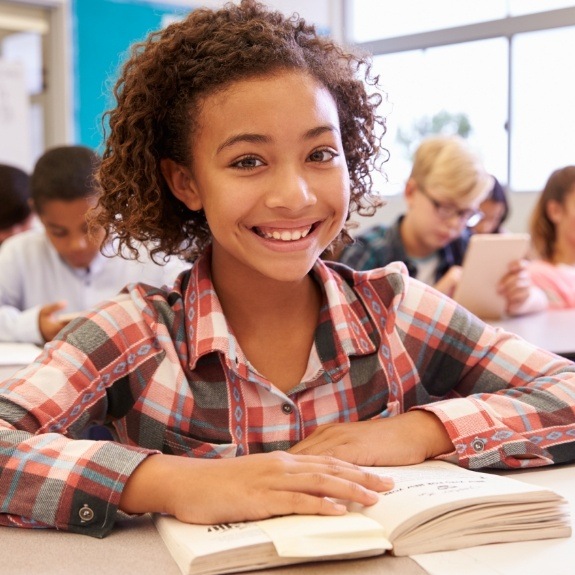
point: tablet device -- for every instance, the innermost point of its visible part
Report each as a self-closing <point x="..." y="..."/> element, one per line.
<point x="486" y="261"/>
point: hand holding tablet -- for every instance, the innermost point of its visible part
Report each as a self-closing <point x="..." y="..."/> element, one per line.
<point x="486" y="261"/>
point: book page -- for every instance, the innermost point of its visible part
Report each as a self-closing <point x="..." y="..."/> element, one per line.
<point x="432" y="488"/>
<point x="519" y="558"/>
<point x="325" y="536"/>
<point x="236" y="547"/>
<point x="210" y="539"/>
<point x="18" y="353"/>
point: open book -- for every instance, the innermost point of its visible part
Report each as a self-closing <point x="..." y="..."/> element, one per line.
<point x="434" y="506"/>
<point x="18" y="353"/>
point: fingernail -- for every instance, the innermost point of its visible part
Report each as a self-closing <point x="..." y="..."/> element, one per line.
<point x="373" y="495"/>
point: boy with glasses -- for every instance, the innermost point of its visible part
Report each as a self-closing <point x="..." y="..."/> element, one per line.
<point x="443" y="194"/>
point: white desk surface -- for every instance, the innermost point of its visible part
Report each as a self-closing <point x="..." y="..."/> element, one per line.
<point x="553" y="330"/>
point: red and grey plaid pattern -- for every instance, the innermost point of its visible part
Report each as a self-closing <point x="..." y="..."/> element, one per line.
<point x="165" y="371"/>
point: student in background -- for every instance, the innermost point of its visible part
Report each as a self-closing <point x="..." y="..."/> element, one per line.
<point x="553" y="236"/>
<point x="258" y="384"/>
<point x="444" y="192"/>
<point x="60" y="268"/>
<point x="495" y="210"/>
<point x="15" y="214"/>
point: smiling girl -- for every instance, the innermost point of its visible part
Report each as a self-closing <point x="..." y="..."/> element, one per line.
<point x="261" y="382"/>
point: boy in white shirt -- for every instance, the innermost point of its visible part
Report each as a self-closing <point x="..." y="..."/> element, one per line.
<point x="60" y="268"/>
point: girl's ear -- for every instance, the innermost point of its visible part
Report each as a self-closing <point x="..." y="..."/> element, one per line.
<point x="554" y="210"/>
<point x="181" y="183"/>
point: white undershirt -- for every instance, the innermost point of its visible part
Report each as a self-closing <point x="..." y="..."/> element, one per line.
<point x="426" y="268"/>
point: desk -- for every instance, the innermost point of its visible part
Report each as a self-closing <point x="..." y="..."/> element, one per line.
<point x="553" y="330"/>
<point x="134" y="547"/>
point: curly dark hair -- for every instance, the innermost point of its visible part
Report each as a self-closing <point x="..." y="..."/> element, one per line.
<point x="158" y="100"/>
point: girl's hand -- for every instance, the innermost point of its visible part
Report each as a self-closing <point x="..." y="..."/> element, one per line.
<point x="521" y="295"/>
<point x="404" y="439"/>
<point x="247" y="488"/>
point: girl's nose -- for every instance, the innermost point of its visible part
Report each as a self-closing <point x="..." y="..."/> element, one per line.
<point x="290" y="190"/>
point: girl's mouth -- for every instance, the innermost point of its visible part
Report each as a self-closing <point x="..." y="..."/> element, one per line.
<point x="283" y="234"/>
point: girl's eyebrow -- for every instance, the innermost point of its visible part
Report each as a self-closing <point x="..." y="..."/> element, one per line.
<point x="314" y="132"/>
<point x="247" y="137"/>
<point x="261" y="139"/>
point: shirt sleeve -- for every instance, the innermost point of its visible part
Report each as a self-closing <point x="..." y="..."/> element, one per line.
<point x="16" y="323"/>
<point x="49" y="477"/>
<point x="504" y="402"/>
<point x="20" y="326"/>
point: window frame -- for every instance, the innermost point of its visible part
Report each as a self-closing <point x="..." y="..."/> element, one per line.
<point x="507" y="27"/>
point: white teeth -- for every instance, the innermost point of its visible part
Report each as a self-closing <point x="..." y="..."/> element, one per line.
<point x="286" y="235"/>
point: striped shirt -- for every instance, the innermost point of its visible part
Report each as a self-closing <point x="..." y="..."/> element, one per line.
<point x="164" y="369"/>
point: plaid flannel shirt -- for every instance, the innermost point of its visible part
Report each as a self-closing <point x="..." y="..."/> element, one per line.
<point x="164" y="369"/>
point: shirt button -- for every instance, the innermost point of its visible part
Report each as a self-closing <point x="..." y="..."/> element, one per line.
<point x="478" y="445"/>
<point x="287" y="408"/>
<point x="86" y="513"/>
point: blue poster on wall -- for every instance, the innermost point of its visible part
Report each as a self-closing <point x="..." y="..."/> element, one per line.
<point x="103" y="31"/>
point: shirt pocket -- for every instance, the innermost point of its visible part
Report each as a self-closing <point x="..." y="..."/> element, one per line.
<point x="177" y="444"/>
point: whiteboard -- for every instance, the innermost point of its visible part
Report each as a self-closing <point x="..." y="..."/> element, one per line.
<point x="15" y="120"/>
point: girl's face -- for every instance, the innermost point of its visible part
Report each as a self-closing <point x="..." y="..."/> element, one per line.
<point x="269" y="172"/>
<point x="563" y="216"/>
<point x="493" y="212"/>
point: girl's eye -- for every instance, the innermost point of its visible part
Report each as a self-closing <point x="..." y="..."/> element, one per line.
<point x="324" y="155"/>
<point x="248" y="163"/>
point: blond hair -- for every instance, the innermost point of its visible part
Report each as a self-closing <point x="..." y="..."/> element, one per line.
<point x="448" y="165"/>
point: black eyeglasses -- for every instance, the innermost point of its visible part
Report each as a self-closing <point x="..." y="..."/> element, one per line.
<point x="470" y="216"/>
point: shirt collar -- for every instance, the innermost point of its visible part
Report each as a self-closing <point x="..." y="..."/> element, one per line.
<point x="344" y="327"/>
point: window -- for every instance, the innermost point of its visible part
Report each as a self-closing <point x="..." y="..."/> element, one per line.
<point x="543" y="111"/>
<point x="451" y="89"/>
<point x="497" y="72"/>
